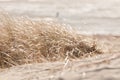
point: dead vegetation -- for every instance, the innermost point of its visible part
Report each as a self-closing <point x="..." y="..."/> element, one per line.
<point x="24" y="41"/>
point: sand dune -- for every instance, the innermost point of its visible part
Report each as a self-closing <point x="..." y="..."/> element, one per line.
<point x="95" y="22"/>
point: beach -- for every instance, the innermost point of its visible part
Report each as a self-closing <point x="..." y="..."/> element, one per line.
<point x="99" y="20"/>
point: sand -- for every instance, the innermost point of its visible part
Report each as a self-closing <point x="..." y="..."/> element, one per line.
<point x="88" y="17"/>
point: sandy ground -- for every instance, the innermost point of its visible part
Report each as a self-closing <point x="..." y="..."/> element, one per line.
<point x="88" y="17"/>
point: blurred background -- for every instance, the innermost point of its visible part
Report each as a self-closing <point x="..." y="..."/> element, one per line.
<point x="87" y="16"/>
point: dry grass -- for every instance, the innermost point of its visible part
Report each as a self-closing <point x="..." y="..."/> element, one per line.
<point x="24" y="41"/>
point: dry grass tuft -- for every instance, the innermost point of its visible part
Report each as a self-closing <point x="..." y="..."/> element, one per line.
<point x="24" y="41"/>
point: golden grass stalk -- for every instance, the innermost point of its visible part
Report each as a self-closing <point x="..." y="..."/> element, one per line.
<point x="24" y="41"/>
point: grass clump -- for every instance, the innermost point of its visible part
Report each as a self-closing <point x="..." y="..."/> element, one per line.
<point x="24" y="41"/>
